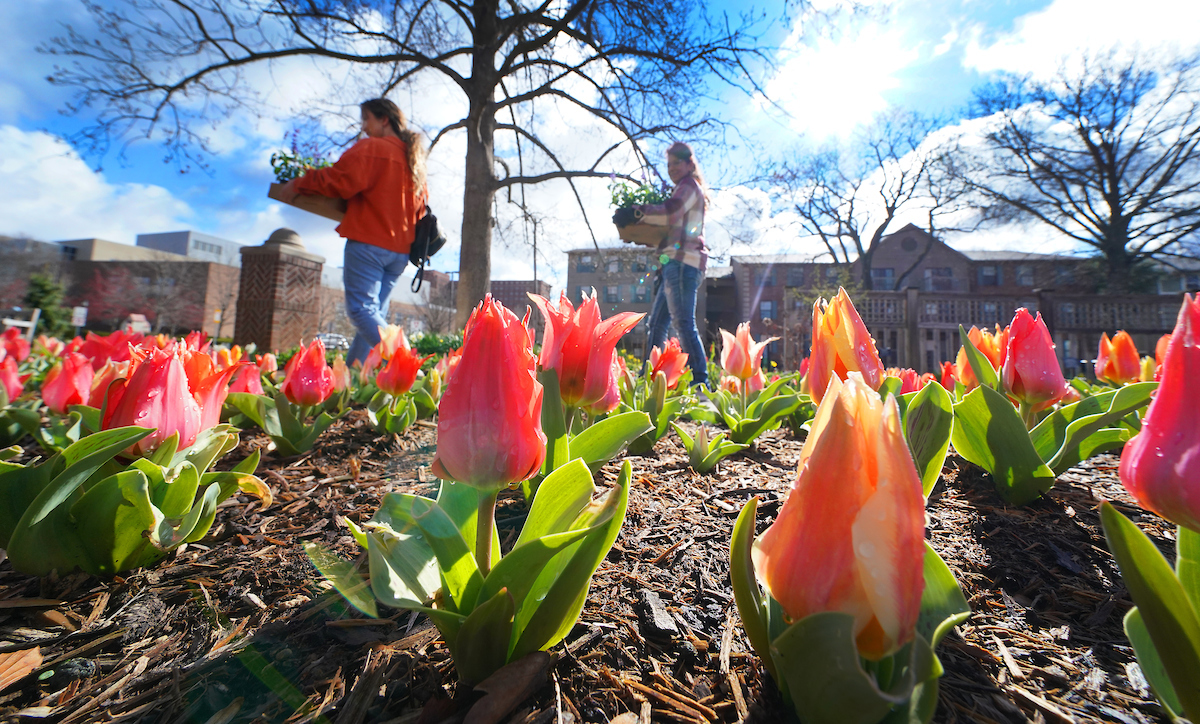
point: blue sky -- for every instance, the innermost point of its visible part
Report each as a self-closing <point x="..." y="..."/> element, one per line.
<point x="924" y="55"/>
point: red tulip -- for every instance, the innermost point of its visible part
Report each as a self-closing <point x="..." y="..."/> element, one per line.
<point x="69" y="382"/>
<point x="1031" y="373"/>
<point x="446" y="365"/>
<point x="15" y="344"/>
<point x="401" y="371"/>
<point x="154" y="395"/>
<point x="267" y="363"/>
<point x="841" y="345"/>
<point x="116" y="346"/>
<point x="308" y="379"/>
<point x="579" y="347"/>
<point x="103" y="377"/>
<point x="12" y="383"/>
<point x="993" y="346"/>
<point x="850" y="536"/>
<point x="612" y="397"/>
<point x="247" y="379"/>
<point x="1160" y="466"/>
<point x="1117" y="361"/>
<point x="198" y="341"/>
<point x="490" y="415"/>
<point x="949" y="376"/>
<point x="803" y="367"/>
<point x="1160" y="354"/>
<point x="670" y="360"/>
<point x="910" y="381"/>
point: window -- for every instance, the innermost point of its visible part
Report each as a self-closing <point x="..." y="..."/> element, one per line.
<point x="795" y="276"/>
<point x="639" y="264"/>
<point x="641" y="292"/>
<point x="1064" y="274"/>
<point x="614" y="266"/>
<point x="883" y="279"/>
<point x="764" y="278"/>
<point x="585" y="264"/>
<point x="205" y="246"/>
<point x="69" y="252"/>
<point x="988" y="312"/>
<point x="612" y="294"/>
<point x="579" y="292"/>
<point x="831" y="272"/>
<point x="1191" y="282"/>
<point x="1025" y="275"/>
<point x="989" y="276"/>
<point x="766" y="309"/>
<point x="939" y="279"/>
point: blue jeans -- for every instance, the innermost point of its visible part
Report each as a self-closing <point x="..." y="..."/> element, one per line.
<point x="675" y="303"/>
<point x="368" y="274"/>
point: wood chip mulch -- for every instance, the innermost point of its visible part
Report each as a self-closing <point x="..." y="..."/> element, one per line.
<point x="241" y="628"/>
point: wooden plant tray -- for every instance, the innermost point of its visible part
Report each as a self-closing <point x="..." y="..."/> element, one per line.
<point x="643" y="234"/>
<point x="320" y="205"/>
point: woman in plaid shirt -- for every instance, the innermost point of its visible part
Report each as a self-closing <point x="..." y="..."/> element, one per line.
<point x="683" y="257"/>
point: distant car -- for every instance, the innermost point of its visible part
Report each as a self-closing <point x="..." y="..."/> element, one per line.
<point x="332" y="340"/>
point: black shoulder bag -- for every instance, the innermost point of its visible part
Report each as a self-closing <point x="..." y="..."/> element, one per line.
<point x="428" y="241"/>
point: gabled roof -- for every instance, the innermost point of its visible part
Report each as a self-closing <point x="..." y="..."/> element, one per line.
<point x="985" y="255"/>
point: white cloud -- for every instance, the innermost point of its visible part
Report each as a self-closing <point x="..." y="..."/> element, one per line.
<point x="837" y="83"/>
<point x="55" y="195"/>
<point x="1041" y="39"/>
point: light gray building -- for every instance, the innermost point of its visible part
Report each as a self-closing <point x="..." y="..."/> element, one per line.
<point x="194" y="245"/>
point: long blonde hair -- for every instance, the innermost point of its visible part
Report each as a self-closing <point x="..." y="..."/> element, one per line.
<point x="683" y="152"/>
<point x="383" y="108"/>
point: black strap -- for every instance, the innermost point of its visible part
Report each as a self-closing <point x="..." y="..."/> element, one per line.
<point x="418" y="277"/>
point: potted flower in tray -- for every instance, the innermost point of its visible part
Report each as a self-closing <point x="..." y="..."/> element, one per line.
<point x="625" y="196"/>
<point x="300" y="160"/>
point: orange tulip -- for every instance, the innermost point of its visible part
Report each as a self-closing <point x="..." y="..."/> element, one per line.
<point x="731" y="384"/>
<point x="400" y="373"/>
<point x="579" y="347"/>
<point x="308" y="379"/>
<point x="850" y="536"/>
<point x="670" y="360"/>
<point x="69" y="382"/>
<point x="341" y="373"/>
<point x="1117" y="361"/>
<point x="490" y="415"/>
<point x="49" y="346"/>
<point x="1031" y="372"/>
<point x="267" y="363"/>
<point x="741" y="356"/>
<point x="841" y="345"/>
<point x="1160" y="354"/>
<point x="1160" y="466"/>
<point x="993" y="346"/>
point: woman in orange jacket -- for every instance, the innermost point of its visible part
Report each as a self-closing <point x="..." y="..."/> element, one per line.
<point x="382" y="179"/>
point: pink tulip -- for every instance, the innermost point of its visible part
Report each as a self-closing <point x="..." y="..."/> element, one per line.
<point x="741" y="356"/>
<point x="110" y="372"/>
<point x="1160" y="466"/>
<point x="48" y="346"/>
<point x="490" y="415"/>
<point x="267" y="363"/>
<point x="15" y="344"/>
<point x="247" y="379"/>
<point x="731" y="384"/>
<point x="1031" y="373"/>
<point x="910" y="381"/>
<point x="670" y="360"/>
<point x="1117" y="360"/>
<point x="69" y="382"/>
<point x="308" y="379"/>
<point x="849" y="537"/>
<point x="579" y="347"/>
<point x="446" y="365"/>
<point x="612" y="397"/>
<point x="12" y="383"/>
<point x="841" y="345"/>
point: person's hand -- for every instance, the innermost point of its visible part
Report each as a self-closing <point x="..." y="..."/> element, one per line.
<point x="288" y="193"/>
<point x="627" y="216"/>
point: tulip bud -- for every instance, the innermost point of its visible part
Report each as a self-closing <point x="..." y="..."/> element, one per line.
<point x="741" y="356"/>
<point x="490" y="415"/>
<point x="850" y="536"/>
<point x="309" y="380"/>
<point x="1117" y="360"/>
<point x="949" y="376"/>
<point x="1149" y="368"/>
<point x="69" y="382"/>
<point x="247" y="379"/>
<point x="341" y="373"/>
<point x="1160" y="465"/>
<point x="841" y="345"/>
<point x="1031" y="373"/>
<point x="400" y="373"/>
<point x="992" y="346"/>
<point x="670" y="360"/>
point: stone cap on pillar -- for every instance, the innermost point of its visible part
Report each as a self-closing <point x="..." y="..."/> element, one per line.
<point x="284" y="242"/>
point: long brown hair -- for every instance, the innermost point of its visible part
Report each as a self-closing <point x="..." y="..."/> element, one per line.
<point x="383" y="108"/>
<point x="683" y="152"/>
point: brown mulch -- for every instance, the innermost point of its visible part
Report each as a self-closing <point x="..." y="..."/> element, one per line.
<point x="241" y="628"/>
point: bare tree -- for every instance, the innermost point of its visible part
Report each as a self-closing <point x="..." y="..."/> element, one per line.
<point x="1107" y="154"/>
<point x="849" y="196"/>
<point x="639" y="68"/>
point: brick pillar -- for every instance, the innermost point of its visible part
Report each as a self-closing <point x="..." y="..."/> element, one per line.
<point x="279" y="293"/>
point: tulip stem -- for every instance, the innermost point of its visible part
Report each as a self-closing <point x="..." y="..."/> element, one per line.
<point x="485" y="531"/>
<point x="1028" y="415"/>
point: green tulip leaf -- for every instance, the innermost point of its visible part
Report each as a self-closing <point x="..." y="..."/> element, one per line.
<point x="89" y="417"/>
<point x="254" y="407"/>
<point x="746" y="593"/>
<point x="770" y="415"/>
<point x="344" y="576"/>
<point x="1150" y="664"/>
<point x="563" y="584"/>
<point x="604" y="440"/>
<point x="927" y="425"/>
<point x="404" y="571"/>
<point x="481" y="646"/>
<point x="1073" y="433"/>
<point x="943" y="605"/>
<point x="518" y="570"/>
<point x="1187" y="563"/>
<point x="891" y="386"/>
<point x="1168" y="614"/>
<point x="456" y="562"/>
<point x="826" y="681"/>
<point x="988" y="431"/>
<point x="559" y="500"/>
<point x="980" y="364"/>
<point x="461" y="502"/>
